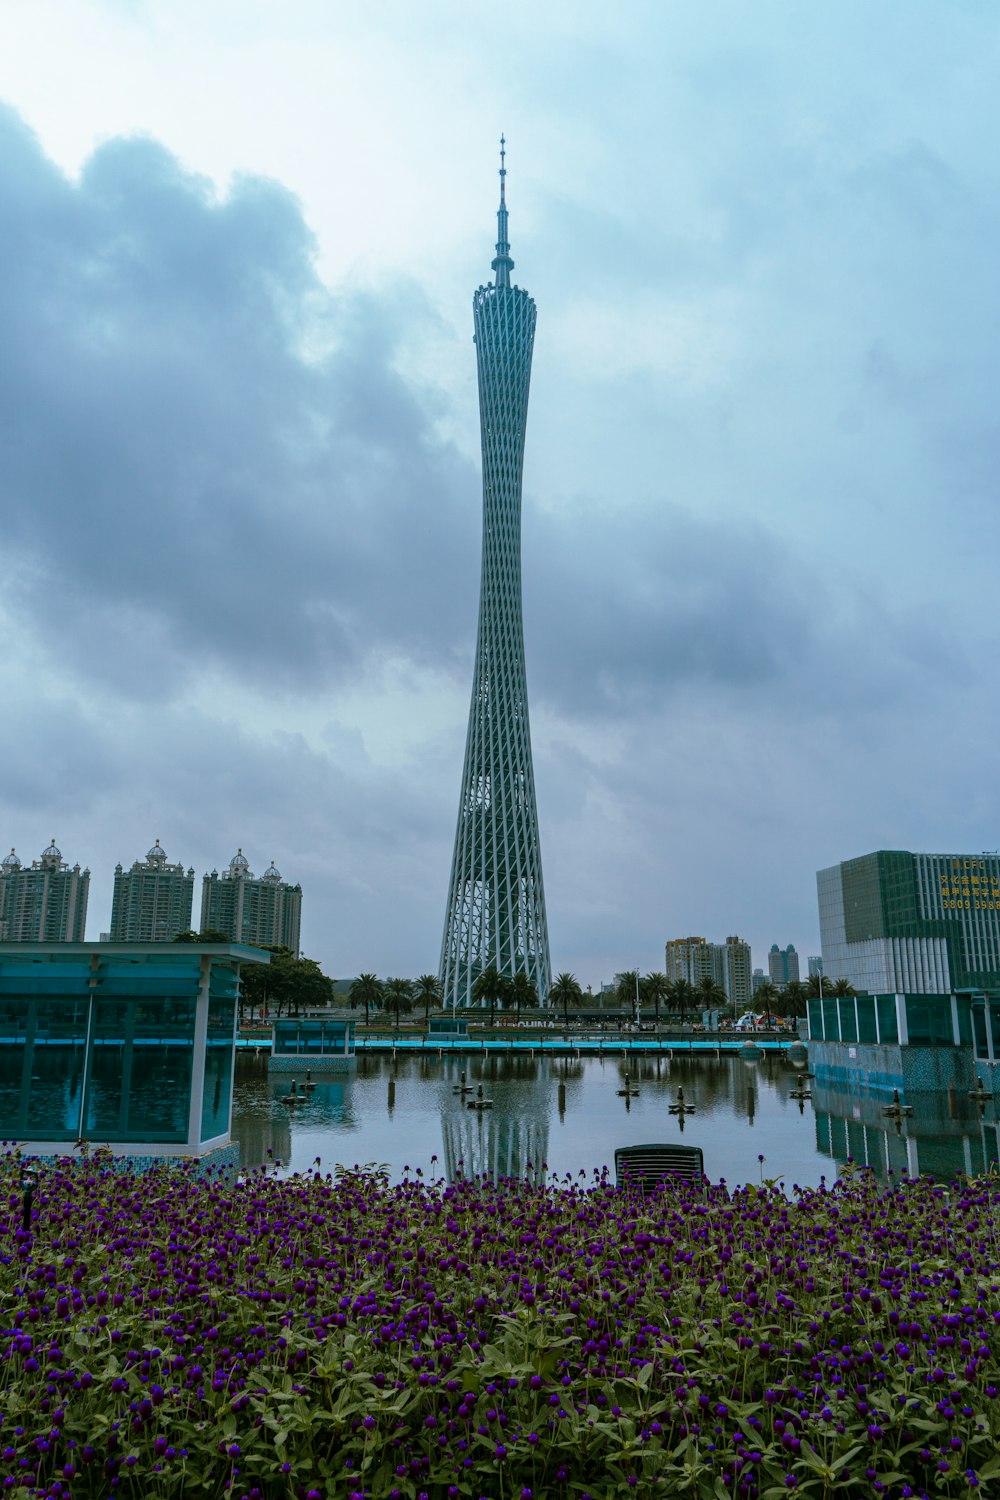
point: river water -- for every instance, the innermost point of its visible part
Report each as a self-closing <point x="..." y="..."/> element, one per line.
<point x="559" y="1115"/>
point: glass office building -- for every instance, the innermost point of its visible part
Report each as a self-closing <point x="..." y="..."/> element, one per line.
<point x="901" y="923"/>
<point x="126" y="1045"/>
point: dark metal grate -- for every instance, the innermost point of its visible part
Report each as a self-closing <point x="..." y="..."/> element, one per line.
<point x="646" y="1166"/>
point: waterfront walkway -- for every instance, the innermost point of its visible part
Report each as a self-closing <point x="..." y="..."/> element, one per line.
<point x="725" y="1044"/>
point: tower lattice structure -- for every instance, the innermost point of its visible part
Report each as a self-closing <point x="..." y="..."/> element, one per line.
<point x="496" y="901"/>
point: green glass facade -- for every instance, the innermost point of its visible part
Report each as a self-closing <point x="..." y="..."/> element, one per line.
<point x="118" y="1042"/>
<point x="912" y="923"/>
<point x="929" y="1020"/>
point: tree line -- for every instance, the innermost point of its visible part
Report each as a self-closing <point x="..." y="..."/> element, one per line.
<point x="515" y="992"/>
<point x="681" y="996"/>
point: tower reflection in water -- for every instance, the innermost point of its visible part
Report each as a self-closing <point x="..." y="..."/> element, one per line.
<point x="509" y="1140"/>
<point x="947" y="1134"/>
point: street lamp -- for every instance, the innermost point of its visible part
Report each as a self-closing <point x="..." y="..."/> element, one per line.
<point x="29" y="1181"/>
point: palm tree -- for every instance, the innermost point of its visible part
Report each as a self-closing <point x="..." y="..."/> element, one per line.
<point x="491" y="986"/>
<point x="766" y="994"/>
<point x="367" y="991"/>
<point x="627" y="989"/>
<point x="399" y="997"/>
<point x="429" y="991"/>
<point x="522" y="991"/>
<point x="709" y="993"/>
<point x="565" y="992"/>
<point x="794" y="996"/>
<point x="681" y="995"/>
<point x="655" y="987"/>
<point x="841" y="987"/>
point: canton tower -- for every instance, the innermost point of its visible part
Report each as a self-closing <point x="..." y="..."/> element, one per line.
<point x="496" y="903"/>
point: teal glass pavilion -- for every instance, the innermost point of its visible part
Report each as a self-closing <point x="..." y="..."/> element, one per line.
<point x="125" y="1045"/>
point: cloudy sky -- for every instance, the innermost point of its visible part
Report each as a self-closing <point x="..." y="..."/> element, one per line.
<point x="239" y="451"/>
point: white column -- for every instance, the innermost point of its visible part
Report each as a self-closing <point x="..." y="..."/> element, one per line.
<point x="904" y="1035"/>
<point x="198" y="1060"/>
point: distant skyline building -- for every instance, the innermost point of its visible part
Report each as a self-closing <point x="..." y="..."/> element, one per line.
<point x="265" y="912"/>
<point x="729" y="964"/>
<point x="43" y="903"/>
<point x="815" y="964"/>
<point x="783" y="965"/>
<point x="895" y="922"/>
<point x="152" y="901"/>
<point x="495" y="915"/>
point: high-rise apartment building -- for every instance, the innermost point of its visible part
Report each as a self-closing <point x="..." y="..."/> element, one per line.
<point x="265" y="912"/>
<point x="496" y="904"/>
<point x="783" y="965"/>
<point x="152" y="902"/>
<point x="43" y="903"/>
<point x="894" y="922"/>
<point x="691" y="958"/>
<point x="815" y="964"/>
<point x="738" y="981"/>
<point x="728" y="963"/>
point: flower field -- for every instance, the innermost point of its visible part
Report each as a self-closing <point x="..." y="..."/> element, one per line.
<point x="167" y="1334"/>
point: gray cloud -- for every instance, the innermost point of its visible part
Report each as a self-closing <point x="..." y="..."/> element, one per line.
<point x="175" y="459"/>
<point x="185" y="485"/>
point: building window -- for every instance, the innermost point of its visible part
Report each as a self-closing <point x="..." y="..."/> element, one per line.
<point x="215" y="1099"/>
<point x="888" y="1023"/>
<point x="867" y="1024"/>
<point x="928" y="1020"/>
<point x="140" y="1073"/>
<point x="41" y="1067"/>
<point x="848" y="1021"/>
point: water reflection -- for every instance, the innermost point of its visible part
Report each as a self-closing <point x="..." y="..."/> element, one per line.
<point x="947" y="1134"/>
<point x="408" y="1112"/>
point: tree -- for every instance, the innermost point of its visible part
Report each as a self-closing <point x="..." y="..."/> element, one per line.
<point x="522" y="991"/>
<point x="367" y="991"/>
<point x="565" y="992"/>
<point x="794" y="996"/>
<point x="709" y="994"/>
<point x="399" y="997"/>
<point x="681" y="995"/>
<point x="843" y="987"/>
<point x="654" y="988"/>
<point x="206" y="935"/>
<point x="765" y="995"/>
<point x="491" y="986"/>
<point x="627" y="989"/>
<point x="429" y="991"/>
<point x="306" y="986"/>
<point x="286" y="980"/>
<point x="265" y="985"/>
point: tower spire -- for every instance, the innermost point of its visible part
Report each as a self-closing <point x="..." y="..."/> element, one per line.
<point x="503" y="265"/>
